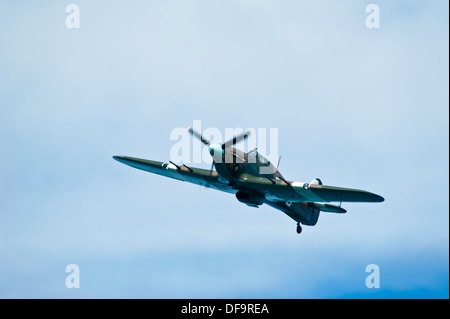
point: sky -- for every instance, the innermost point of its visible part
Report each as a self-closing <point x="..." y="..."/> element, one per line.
<point x="357" y="107"/>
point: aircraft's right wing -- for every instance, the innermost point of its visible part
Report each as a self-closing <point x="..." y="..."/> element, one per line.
<point x="183" y="173"/>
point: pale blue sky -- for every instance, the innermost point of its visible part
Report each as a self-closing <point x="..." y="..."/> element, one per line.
<point x="356" y="107"/>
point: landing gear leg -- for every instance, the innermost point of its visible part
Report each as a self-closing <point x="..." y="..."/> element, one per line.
<point x="299" y="228"/>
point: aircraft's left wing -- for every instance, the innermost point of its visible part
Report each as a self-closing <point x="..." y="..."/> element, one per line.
<point x="183" y="173"/>
<point x="278" y="191"/>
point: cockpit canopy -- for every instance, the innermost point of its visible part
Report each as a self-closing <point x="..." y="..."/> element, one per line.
<point x="261" y="160"/>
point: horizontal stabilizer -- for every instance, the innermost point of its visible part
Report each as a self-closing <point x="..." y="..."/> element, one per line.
<point x="330" y="208"/>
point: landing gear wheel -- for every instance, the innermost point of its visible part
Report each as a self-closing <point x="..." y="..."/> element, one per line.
<point x="299" y="228"/>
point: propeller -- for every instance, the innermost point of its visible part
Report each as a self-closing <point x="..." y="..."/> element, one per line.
<point x="216" y="149"/>
<point x="225" y="145"/>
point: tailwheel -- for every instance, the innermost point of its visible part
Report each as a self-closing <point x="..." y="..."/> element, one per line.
<point x="299" y="228"/>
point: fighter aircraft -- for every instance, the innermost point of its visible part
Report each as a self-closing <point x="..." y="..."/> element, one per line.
<point x="256" y="181"/>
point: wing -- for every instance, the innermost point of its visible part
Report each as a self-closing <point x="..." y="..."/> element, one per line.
<point x="277" y="190"/>
<point x="183" y="173"/>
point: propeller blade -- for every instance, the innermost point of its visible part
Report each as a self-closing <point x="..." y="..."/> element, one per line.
<point x="197" y="135"/>
<point x="212" y="167"/>
<point x="236" y="139"/>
